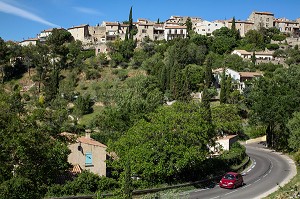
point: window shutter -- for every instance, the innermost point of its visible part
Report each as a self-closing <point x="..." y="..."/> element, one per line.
<point x="88" y="159"/>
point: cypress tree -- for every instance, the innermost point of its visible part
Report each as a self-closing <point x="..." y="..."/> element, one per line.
<point x="228" y="88"/>
<point x="223" y="88"/>
<point x="253" y="58"/>
<point x="233" y="27"/>
<point x="127" y="181"/>
<point x="205" y="94"/>
<point x="208" y="71"/>
<point x="130" y="27"/>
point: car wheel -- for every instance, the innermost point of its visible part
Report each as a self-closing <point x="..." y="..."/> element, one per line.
<point x="234" y="186"/>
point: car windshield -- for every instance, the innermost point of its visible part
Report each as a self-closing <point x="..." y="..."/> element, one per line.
<point x="229" y="176"/>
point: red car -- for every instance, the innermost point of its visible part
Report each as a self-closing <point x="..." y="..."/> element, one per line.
<point x="231" y="180"/>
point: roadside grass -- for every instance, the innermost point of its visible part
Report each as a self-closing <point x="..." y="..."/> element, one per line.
<point x="290" y="190"/>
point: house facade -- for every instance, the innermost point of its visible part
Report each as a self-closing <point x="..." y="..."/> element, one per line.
<point x="259" y="55"/>
<point x="245" y="77"/>
<point x="207" y="27"/>
<point x="261" y="19"/>
<point x="145" y="28"/>
<point x="88" y="154"/>
<point x="30" y="41"/>
<point x="173" y="31"/>
<point x="242" y="26"/>
<point x="239" y="79"/>
<point x="81" y="33"/>
<point x="287" y="26"/>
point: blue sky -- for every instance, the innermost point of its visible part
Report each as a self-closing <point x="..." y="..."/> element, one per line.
<point x="22" y="19"/>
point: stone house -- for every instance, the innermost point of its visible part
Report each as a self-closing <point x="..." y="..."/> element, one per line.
<point x="145" y="28"/>
<point x="81" y="33"/>
<point x="242" y="26"/>
<point x="88" y="154"/>
<point x="261" y="19"/>
<point x="158" y="32"/>
<point x="287" y="26"/>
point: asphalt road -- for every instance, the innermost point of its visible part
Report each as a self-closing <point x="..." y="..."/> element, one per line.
<point x="268" y="170"/>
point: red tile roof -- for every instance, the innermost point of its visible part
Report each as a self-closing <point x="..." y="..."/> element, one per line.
<point x="264" y="13"/>
<point x="80" y="26"/>
<point x="250" y="74"/>
<point x="90" y="141"/>
<point x="175" y="27"/>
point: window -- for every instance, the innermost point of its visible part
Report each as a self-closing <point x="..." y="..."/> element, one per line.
<point x="88" y="159"/>
<point x="144" y="30"/>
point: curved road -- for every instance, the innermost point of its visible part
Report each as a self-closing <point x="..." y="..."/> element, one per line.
<point x="269" y="169"/>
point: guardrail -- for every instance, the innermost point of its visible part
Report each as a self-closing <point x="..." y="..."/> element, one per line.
<point x="154" y="190"/>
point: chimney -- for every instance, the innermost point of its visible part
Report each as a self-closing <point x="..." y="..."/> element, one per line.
<point x="88" y="133"/>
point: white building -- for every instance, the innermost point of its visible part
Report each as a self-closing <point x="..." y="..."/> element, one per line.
<point x="207" y="27"/>
<point x="173" y="31"/>
<point x="27" y="42"/>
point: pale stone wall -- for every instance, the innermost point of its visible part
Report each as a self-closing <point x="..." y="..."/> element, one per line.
<point x="98" y="157"/>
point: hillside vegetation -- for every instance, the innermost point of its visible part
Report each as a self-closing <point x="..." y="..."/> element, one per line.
<point x="121" y="96"/>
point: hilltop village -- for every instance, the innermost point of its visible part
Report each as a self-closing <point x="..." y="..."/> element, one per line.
<point x="95" y="37"/>
<point x="136" y="108"/>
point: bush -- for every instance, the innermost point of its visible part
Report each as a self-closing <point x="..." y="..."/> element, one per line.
<point x="19" y="188"/>
<point x="255" y="131"/>
<point x="235" y="155"/>
<point x="272" y="46"/>
<point x="85" y="183"/>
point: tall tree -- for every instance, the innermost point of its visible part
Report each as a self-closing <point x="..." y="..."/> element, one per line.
<point x="3" y="57"/>
<point x="189" y="26"/>
<point x="223" y="88"/>
<point x="130" y="27"/>
<point x="233" y="27"/>
<point x="167" y="144"/>
<point x="274" y="99"/>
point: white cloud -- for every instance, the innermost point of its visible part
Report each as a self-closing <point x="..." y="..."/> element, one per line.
<point x="87" y="11"/>
<point x="9" y="9"/>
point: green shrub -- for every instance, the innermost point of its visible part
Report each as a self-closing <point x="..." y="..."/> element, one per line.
<point x="235" y="155"/>
<point x="272" y="46"/>
<point x="85" y="183"/>
<point x="19" y="188"/>
<point x="255" y="131"/>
